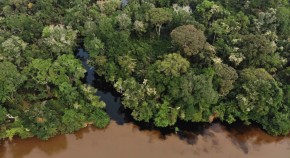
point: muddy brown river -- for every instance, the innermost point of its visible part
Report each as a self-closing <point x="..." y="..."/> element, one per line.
<point x="125" y="139"/>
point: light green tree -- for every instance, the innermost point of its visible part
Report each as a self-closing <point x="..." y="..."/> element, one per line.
<point x="12" y="49"/>
<point x="172" y="65"/>
<point x="158" y="17"/>
<point x="59" y="39"/>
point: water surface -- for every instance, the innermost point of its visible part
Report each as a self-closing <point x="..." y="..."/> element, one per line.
<point x="124" y="139"/>
<point x="127" y="141"/>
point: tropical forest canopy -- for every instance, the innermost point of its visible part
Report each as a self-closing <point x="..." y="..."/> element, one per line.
<point x="190" y="60"/>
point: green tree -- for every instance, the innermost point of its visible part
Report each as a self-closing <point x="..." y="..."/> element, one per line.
<point x="100" y="118"/>
<point x="59" y="39"/>
<point x="10" y="80"/>
<point x="13" y="49"/>
<point x="166" y="115"/>
<point x="172" y="65"/>
<point x="259" y="52"/>
<point x="73" y="120"/>
<point x="140" y="98"/>
<point x="124" y="21"/>
<point x="226" y="77"/>
<point x="158" y="17"/>
<point x="189" y="39"/>
<point x="24" y="26"/>
<point x="283" y="18"/>
<point x="209" y="11"/>
<point x="108" y="6"/>
<point x="259" y="98"/>
<point x="3" y="113"/>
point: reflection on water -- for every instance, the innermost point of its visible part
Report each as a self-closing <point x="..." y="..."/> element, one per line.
<point x="126" y="139"/>
<point x="106" y="93"/>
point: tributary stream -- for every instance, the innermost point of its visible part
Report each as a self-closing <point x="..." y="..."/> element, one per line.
<point x="125" y="139"/>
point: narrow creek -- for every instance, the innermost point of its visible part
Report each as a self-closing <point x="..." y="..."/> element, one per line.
<point x="126" y="139"/>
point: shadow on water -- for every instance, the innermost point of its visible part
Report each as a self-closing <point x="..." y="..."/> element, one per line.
<point x="240" y="134"/>
<point x="80" y="134"/>
<point x="202" y="137"/>
<point x="114" y="106"/>
<point x="189" y="132"/>
<point x="104" y="90"/>
<point x="112" y="100"/>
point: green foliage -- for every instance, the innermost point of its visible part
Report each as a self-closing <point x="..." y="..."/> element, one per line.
<point x="143" y="112"/>
<point x="38" y="70"/>
<point x="59" y="39"/>
<point x="42" y="120"/>
<point x="94" y="46"/>
<point x="172" y="65"/>
<point x="278" y="124"/>
<point x="3" y="114"/>
<point x="211" y="59"/>
<point x="25" y="26"/>
<point x="124" y="21"/>
<point x="17" y="129"/>
<point x="59" y="102"/>
<point x="127" y="64"/>
<point x="233" y="24"/>
<point x="181" y="15"/>
<point x="166" y="116"/>
<point x="209" y="11"/>
<point x="283" y="18"/>
<point x="99" y="118"/>
<point x="259" y="94"/>
<point x="203" y="90"/>
<point x="10" y="81"/>
<point x="158" y="17"/>
<point x="226" y="76"/>
<point x="12" y="49"/>
<point x="108" y="6"/>
<point x="138" y="97"/>
<point x="189" y="39"/>
<point x="258" y="97"/>
<point x="66" y="69"/>
<point x="259" y="52"/>
<point x="255" y="74"/>
<point x="73" y="120"/>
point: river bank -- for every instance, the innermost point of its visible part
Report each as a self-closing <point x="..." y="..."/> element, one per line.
<point x="128" y="141"/>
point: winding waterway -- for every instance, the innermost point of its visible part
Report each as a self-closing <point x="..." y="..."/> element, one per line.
<point x="124" y="139"/>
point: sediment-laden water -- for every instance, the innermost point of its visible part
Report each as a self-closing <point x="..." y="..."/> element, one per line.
<point x="124" y="139"/>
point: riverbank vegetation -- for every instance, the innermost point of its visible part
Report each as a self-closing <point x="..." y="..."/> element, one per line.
<point x="191" y="60"/>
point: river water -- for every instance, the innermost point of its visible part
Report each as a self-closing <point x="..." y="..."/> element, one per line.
<point x="125" y="139"/>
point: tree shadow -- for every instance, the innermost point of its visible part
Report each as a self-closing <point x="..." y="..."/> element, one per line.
<point x="238" y="134"/>
<point x="80" y="134"/>
<point x="241" y="135"/>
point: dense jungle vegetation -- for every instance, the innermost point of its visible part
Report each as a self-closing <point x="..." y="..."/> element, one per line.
<point x="191" y="60"/>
